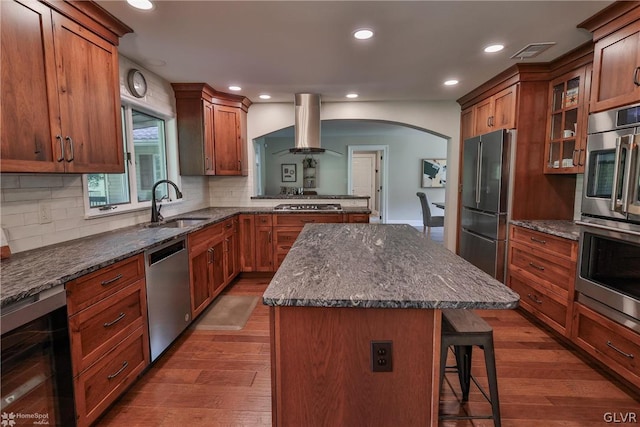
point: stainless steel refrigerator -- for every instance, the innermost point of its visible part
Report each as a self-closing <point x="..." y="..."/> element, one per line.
<point x="485" y="204"/>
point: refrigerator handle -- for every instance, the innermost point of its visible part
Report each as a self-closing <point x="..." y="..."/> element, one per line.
<point x="479" y="173"/>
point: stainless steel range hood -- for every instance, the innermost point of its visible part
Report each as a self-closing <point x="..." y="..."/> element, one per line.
<point x="307" y="124"/>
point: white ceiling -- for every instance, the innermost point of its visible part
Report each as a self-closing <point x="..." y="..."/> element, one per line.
<point x="286" y="47"/>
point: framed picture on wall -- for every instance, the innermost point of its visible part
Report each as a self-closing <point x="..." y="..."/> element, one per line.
<point x="434" y="173"/>
<point x="288" y="172"/>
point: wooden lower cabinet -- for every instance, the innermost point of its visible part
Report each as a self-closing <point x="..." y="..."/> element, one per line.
<point x="247" y="242"/>
<point x="542" y="269"/>
<point x="358" y="218"/>
<point x="613" y="344"/>
<point x="109" y="334"/>
<point x="213" y="261"/>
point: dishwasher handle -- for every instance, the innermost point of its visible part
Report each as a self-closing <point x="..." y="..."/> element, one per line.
<point x="157" y="255"/>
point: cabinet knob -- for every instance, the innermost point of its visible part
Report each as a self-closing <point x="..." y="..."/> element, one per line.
<point x="635" y="76"/>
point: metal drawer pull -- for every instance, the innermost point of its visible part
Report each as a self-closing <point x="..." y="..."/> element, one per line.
<point x="307" y="220"/>
<point x="534" y="299"/>
<point x="635" y="77"/>
<point x="110" y="281"/>
<point x="70" y="159"/>
<point x="629" y="355"/>
<point x="542" y="242"/>
<point x="113" y="322"/>
<point x="269" y="236"/>
<point x="119" y="371"/>
<point x="536" y="266"/>
<point x="59" y="138"/>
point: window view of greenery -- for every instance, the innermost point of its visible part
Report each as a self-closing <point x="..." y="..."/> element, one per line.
<point x="145" y="149"/>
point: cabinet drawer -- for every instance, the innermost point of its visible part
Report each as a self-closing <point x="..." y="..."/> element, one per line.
<point x="93" y="287"/>
<point x="616" y="346"/>
<point x="102" y="383"/>
<point x="284" y="238"/>
<point x="547" y="242"/>
<point x="358" y="218"/>
<point x="541" y="305"/>
<point x="97" y="329"/>
<point x="263" y="220"/>
<point x="558" y="271"/>
<point x="302" y="219"/>
<point x="205" y="236"/>
<point x="229" y="226"/>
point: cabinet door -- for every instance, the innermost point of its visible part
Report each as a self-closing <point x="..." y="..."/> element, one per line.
<point x="218" y="267"/>
<point x="247" y="242"/>
<point x="504" y="109"/>
<point x="483" y="113"/>
<point x="230" y="258"/>
<point x="264" y="248"/>
<point x="226" y="122"/>
<point x="209" y="137"/>
<point x="29" y="99"/>
<point x="467" y="123"/>
<point x="616" y="69"/>
<point x="88" y="89"/>
<point x="200" y="270"/>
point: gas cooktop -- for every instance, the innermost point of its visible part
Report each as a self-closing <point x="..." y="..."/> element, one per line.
<point x="309" y="207"/>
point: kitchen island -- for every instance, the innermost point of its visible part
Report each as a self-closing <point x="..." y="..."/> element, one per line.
<point x="343" y="286"/>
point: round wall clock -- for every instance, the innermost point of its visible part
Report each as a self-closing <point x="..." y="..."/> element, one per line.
<point x="137" y="83"/>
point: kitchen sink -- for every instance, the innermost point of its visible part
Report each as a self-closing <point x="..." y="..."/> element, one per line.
<point x="178" y="222"/>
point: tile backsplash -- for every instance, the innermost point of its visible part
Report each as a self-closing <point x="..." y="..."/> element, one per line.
<point x="43" y="209"/>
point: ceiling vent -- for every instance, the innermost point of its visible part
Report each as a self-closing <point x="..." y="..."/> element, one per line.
<point x="532" y="50"/>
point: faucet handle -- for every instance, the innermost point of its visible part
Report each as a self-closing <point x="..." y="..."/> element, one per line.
<point x="160" y="217"/>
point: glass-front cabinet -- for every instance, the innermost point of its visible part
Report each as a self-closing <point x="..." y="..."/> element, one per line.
<point x="567" y="133"/>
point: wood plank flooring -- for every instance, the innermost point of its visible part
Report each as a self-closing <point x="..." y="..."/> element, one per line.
<point x="222" y="378"/>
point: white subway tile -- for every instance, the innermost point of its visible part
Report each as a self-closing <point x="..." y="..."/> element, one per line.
<point x="13" y="220"/>
<point x="26" y="194"/>
<point x="19" y="207"/>
<point x="40" y="181"/>
<point x="31" y="218"/>
<point x="60" y="236"/>
<point x="25" y="231"/>
<point x="72" y="180"/>
<point x="58" y="214"/>
<point x="9" y="181"/>
<point x="21" y="245"/>
<point x="59" y="193"/>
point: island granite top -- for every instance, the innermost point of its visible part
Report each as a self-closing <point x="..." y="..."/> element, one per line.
<point x="28" y="273"/>
<point x="380" y="266"/>
<point x="561" y="228"/>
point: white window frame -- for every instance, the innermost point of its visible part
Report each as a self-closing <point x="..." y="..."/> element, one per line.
<point x="171" y="148"/>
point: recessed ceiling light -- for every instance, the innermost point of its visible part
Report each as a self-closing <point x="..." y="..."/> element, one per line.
<point x="234" y="87"/>
<point x="363" y="34"/>
<point x="141" y="4"/>
<point x="494" y="48"/>
<point x="352" y="95"/>
<point x="451" y="82"/>
<point x="265" y="96"/>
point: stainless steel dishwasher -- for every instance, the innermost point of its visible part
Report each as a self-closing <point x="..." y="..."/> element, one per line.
<point x="168" y="295"/>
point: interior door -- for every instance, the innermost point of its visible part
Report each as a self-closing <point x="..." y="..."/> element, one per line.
<point x="364" y="177"/>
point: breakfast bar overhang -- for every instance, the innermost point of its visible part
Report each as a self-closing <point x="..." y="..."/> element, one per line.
<point x="343" y="286"/>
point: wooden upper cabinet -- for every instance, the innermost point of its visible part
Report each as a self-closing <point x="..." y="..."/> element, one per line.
<point x="227" y="140"/>
<point x="616" y="62"/>
<point x="61" y="102"/>
<point x="212" y="130"/>
<point x="493" y="113"/>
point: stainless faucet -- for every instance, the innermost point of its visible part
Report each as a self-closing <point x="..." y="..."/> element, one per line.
<point x="155" y="211"/>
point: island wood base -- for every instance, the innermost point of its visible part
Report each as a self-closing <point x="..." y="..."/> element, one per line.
<point x="321" y="366"/>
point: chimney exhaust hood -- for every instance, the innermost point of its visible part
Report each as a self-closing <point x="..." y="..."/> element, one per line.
<point x="307" y="124"/>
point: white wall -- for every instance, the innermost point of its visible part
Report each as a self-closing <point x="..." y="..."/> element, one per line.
<point x="22" y="194"/>
<point x="438" y="117"/>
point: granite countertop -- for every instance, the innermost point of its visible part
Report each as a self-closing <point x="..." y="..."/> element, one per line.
<point x="561" y="228"/>
<point x="27" y="273"/>
<point x="310" y="196"/>
<point x="380" y="266"/>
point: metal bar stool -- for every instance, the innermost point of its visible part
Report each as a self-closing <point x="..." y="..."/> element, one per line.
<point x="463" y="329"/>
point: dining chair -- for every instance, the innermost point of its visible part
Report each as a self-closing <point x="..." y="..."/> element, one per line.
<point x="428" y="220"/>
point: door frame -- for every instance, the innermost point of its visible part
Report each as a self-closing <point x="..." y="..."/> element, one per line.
<point x="384" y="176"/>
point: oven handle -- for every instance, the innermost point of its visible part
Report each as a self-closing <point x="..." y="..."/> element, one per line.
<point x="626" y="177"/>
<point x="604" y="227"/>
<point x="33" y="308"/>
<point x="616" y="172"/>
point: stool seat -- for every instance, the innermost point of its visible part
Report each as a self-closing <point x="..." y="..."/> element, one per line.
<point x="463" y="329"/>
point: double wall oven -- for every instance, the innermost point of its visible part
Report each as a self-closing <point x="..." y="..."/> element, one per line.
<point x="609" y="267"/>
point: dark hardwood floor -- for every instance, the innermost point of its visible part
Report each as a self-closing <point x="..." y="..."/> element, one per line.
<point x="222" y="378"/>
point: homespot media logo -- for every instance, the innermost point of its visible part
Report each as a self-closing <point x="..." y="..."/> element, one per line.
<point x="620" y="417"/>
<point x="10" y="419"/>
